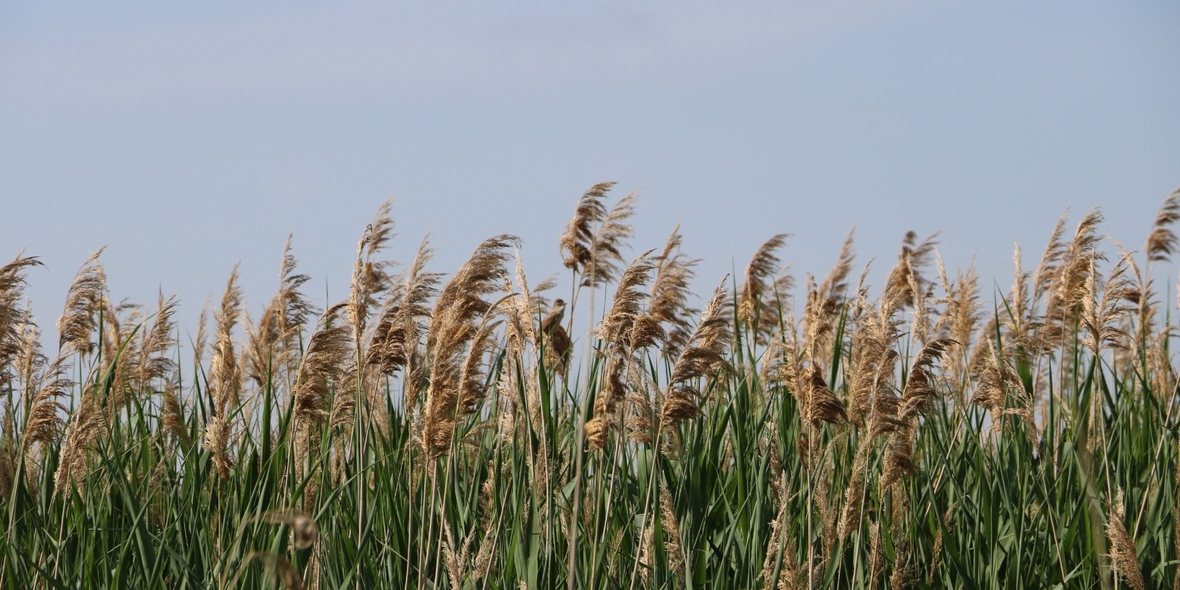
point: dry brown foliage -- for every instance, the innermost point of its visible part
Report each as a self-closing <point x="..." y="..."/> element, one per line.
<point x="593" y="239"/>
<point x="84" y="300"/>
<point x="702" y="357"/>
<point x="452" y="330"/>
<point x="224" y="378"/>
<point x="396" y="337"/>
<point x="669" y="294"/>
<point x="764" y="265"/>
<point x="1122" y="546"/>
<point x="1162" y="242"/>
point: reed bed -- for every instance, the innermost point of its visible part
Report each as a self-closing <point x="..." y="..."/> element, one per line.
<point x="446" y="431"/>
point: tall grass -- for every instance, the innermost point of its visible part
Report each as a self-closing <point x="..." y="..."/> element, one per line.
<point x="436" y="431"/>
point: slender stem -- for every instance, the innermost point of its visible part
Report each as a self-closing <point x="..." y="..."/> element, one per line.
<point x="655" y="465"/>
<point x="580" y="440"/>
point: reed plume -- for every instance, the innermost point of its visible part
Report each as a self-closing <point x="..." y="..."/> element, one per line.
<point x="1050" y="262"/>
<point x="274" y="342"/>
<point x="1000" y="391"/>
<point x="871" y="340"/>
<point x="370" y="277"/>
<point x="30" y="360"/>
<point x="472" y="375"/>
<point x="1122" y="546"/>
<point x="609" y="240"/>
<point x="780" y="550"/>
<point x="1162" y="242"/>
<point x="201" y="342"/>
<point x="916" y="400"/>
<point x="960" y="317"/>
<point x="1100" y="312"/>
<point x="907" y="287"/>
<point x="76" y="326"/>
<point x="763" y="266"/>
<point x="824" y="301"/>
<point x="155" y="364"/>
<point x="835" y="284"/>
<point x="820" y="404"/>
<point x="44" y="422"/>
<point x="1017" y="320"/>
<point x="12" y="313"/>
<point x="452" y="329"/>
<point x="394" y="342"/>
<point x="625" y="330"/>
<point x="224" y="378"/>
<point x="702" y="357"/>
<point x="577" y="242"/>
<point x="1073" y="268"/>
<point x="669" y="294"/>
<point x="81" y="433"/>
<point x="671" y="526"/>
<point x="121" y="355"/>
<point x="626" y="327"/>
<point x="592" y="242"/>
<point x="323" y="363"/>
<point x="83" y="302"/>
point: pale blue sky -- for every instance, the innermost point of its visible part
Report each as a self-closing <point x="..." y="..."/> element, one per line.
<point x="189" y="136"/>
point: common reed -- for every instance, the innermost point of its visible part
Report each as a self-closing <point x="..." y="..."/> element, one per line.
<point x="224" y="379"/>
<point x="464" y="431"/>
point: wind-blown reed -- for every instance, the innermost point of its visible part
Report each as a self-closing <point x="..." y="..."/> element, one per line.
<point x="436" y="431"/>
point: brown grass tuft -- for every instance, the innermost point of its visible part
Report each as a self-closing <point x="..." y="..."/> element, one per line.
<point x="1069" y="286"/>
<point x="452" y="329"/>
<point x="593" y="238"/>
<point x="202" y="340"/>
<point x="822" y="308"/>
<point x="13" y="314"/>
<point x="1000" y="391"/>
<point x="821" y="404"/>
<point x="1162" y="242"/>
<point x="83" y="302"/>
<point x="274" y="343"/>
<point x="81" y="433"/>
<point x="44" y="422"/>
<point x="764" y="265"/>
<point x="960" y="317"/>
<point x="323" y="363"/>
<point x="916" y="399"/>
<point x="702" y="357"/>
<point x="835" y="284"/>
<point x="919" y="393"/>
<point x="1122" y="546"/>
<point x="369" y="277"/>
<point x="577" y="242"/>
<point x="394" y="342"/>
<point x="669" y="294"/>
<point x="224" y="378"/>
<point x="671" y="526"/>
<point x="155" y="363"/>
<point x="1047" y="268"/>
<point x="625" y="329"/>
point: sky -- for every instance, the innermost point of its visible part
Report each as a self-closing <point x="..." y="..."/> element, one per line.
<point x="187" y="138"/>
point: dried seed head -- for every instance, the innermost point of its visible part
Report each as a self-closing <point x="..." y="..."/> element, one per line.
<point x="303" y="526"/>
<point x="83" y="302"/>
<point x="1122" y="546"/>
<point x="1162" y="242"/>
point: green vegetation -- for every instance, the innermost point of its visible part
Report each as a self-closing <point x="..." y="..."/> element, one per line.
<point x="442" y="432"/>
